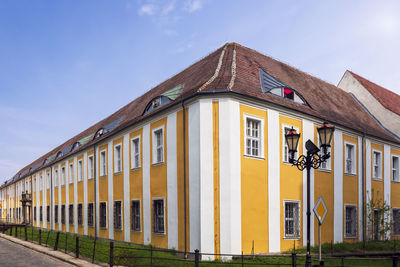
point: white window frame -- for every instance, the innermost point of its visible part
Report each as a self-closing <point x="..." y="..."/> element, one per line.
<point x="284" y="145"/>
<point x="87" y="211"/>
<point x="140" y="215"/>
<point x="375" y="152"/>
<point x="63" y="176"/>
<point x="56" y="178"/>
<point x="118" y="158"/>
<point x="47" y="180"/>
<point x="121" y="215"/>
<point x="155" y="147"/>
<point x="328" y="162"/>
<point x="101" y="227"/>
<point x="134" y="153"/>
<point x="395" y="178"/>
<point x="345" y="221"/>
<point x="393" y="233"/>
<point x="41" y="183"/>
<point x="260" y="137"/>
<point x="103" y="163"/>
<point x="90" y="167"/>
<point x="152" y="209"/>
<point x="71" y="173"/>
<point x="353" y="159"/>
<point x="294" y="236"/>
<point x="80" y="170"/>
<point x="77" y="214"/>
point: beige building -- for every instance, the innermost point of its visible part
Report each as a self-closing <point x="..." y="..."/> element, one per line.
<point x="381" y="103"/>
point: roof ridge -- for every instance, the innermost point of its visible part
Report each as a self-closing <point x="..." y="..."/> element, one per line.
<point x="355" y="74"/>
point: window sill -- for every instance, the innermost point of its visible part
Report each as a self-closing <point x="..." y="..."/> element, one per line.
<point x="376" y="178"/>
<point x="287" y="163"/>
<point x="396" y="182"/>
<point x="118" y="172"/>
<point x="157" y="163"/>
<point x="325" y="170"/>
<point x="118" y="229"/>
<point x="350" y="174"/>
<point x="80" y="181"/>
<point x="90" y="178"/>
<point x="103" y="176"/>
<point x="350" y="237"/>
<point x="159" y="234"/>
<point x="136" y="231"/>
<point x="254" y="157"/>
<point x="135" y="168"/>
<point x="291" y="238"/>
<point x="103" y="228"/>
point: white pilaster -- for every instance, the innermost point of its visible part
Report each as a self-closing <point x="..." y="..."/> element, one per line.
<point x="230" y="177"/>
<point x="85" y="191"/>
<point x="172" y="194"/>
<point x="66" y="196"/>
<point x="360" y="189"/>
<point x="126" y="165"/>
<point x="338" y="187"/>
<point x="274" y="207"/>
<point x="110" y="190"/>
<point x="387" y="175"/>
<point x="308" y="134"/>
<point x="146" y="185"/>
<point x="75" y="194"/>
<point x="97" y="190"/>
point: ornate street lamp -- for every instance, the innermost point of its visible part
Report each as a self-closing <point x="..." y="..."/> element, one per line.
<point x="311" y="160"/>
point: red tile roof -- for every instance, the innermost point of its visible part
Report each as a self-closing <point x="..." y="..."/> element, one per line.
<point x="235" y="68"/>
<point x="387" y="98"/>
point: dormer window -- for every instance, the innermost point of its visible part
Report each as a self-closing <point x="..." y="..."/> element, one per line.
<point x="157" y="102"/>
<point x="271" y="85"/>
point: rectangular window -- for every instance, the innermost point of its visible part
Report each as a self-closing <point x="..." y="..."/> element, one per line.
<point x="103" y="165"/>
<point x="80" y="174"/>
<point x="41" y="183"/>
<point x="350" y="161"/>
<point x="396" y="221"/>
<point x="377" y="165"/>
<point x="351" y="221"/>
<point x="48" y="214"/>
<point x="71" y="214"/>
<point x="135" y="215"/>
<point x="41" y="214"/>
<point x="90" y="214"/>
<point x="103" y="214"/>
<point x="117" y="215"/>
<point x="395" y="169"/>
<point x="117" y="159"/>
<point x="63" y="214"/>
<point x="80" y="214"/>
<point x="63" y="176"/>
<point x="135" y="153"/>
<point x="158" y="216"/>
<point x="292" y="219"/>
<point x="253" y="137"/>
<point x="48" y="180"/>
<point x="56" y="214"/>
<point x="90" y="174"/>
<point x="285" y="152"/>
<point x="56" y="178"/>
<point x="34" y="214"/>
<point x="158" y="146"/>
<point x="71" y="173"/>
<point x="377" y="226"/>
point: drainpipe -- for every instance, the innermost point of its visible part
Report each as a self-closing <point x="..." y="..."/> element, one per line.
<point x="95" y="196"/>
<point x="184" y="174"/>
<point x="363" y="187"/>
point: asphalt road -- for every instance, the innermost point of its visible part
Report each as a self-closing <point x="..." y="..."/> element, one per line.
<point x="14" y="255"/>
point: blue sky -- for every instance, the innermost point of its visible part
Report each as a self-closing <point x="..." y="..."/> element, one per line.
<point x="65" y="65"/>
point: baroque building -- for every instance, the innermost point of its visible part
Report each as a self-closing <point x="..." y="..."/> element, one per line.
<point x="200" y="162"/>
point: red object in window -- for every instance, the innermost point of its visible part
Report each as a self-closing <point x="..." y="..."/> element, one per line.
<point x="288" y="93"/>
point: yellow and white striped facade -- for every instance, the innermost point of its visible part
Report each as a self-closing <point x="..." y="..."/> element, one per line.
<point x="234" y="202"/>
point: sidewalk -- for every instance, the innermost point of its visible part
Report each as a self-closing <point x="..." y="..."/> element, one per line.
<point x="50" y="252"/>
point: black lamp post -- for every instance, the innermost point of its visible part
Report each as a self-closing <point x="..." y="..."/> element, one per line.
<point x="311" y="160"/>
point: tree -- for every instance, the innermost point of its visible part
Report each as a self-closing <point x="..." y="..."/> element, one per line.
<point x="379" y="224"/>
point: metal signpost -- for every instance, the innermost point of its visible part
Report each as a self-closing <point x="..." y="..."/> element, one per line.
<point x="320" y="212"/>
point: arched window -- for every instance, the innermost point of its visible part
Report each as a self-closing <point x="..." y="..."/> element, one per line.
<point x="75" y="146"/>
<point x="156" y="102"/>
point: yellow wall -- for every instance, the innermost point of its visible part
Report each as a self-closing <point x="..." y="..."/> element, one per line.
<point x="118" y="187"/>
<point x="158" y="184"/>
<point x="217" y="237"/>
<point x="350" y="184"/>
<point x="323" y="187"/>
<point x="103" y="188"/>
<point x="254" y="184"/>
<point x="136" y="184"/>
<point x="377" y="185"/>
<point x="291" y="184"/>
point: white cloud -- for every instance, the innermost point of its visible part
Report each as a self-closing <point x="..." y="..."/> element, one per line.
<point x="193" y="5"/>
<point x="147" y="9"/>
<point x="168" y="8"/>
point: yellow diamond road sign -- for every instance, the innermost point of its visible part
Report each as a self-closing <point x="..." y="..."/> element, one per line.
<point x="320" y="210"/>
